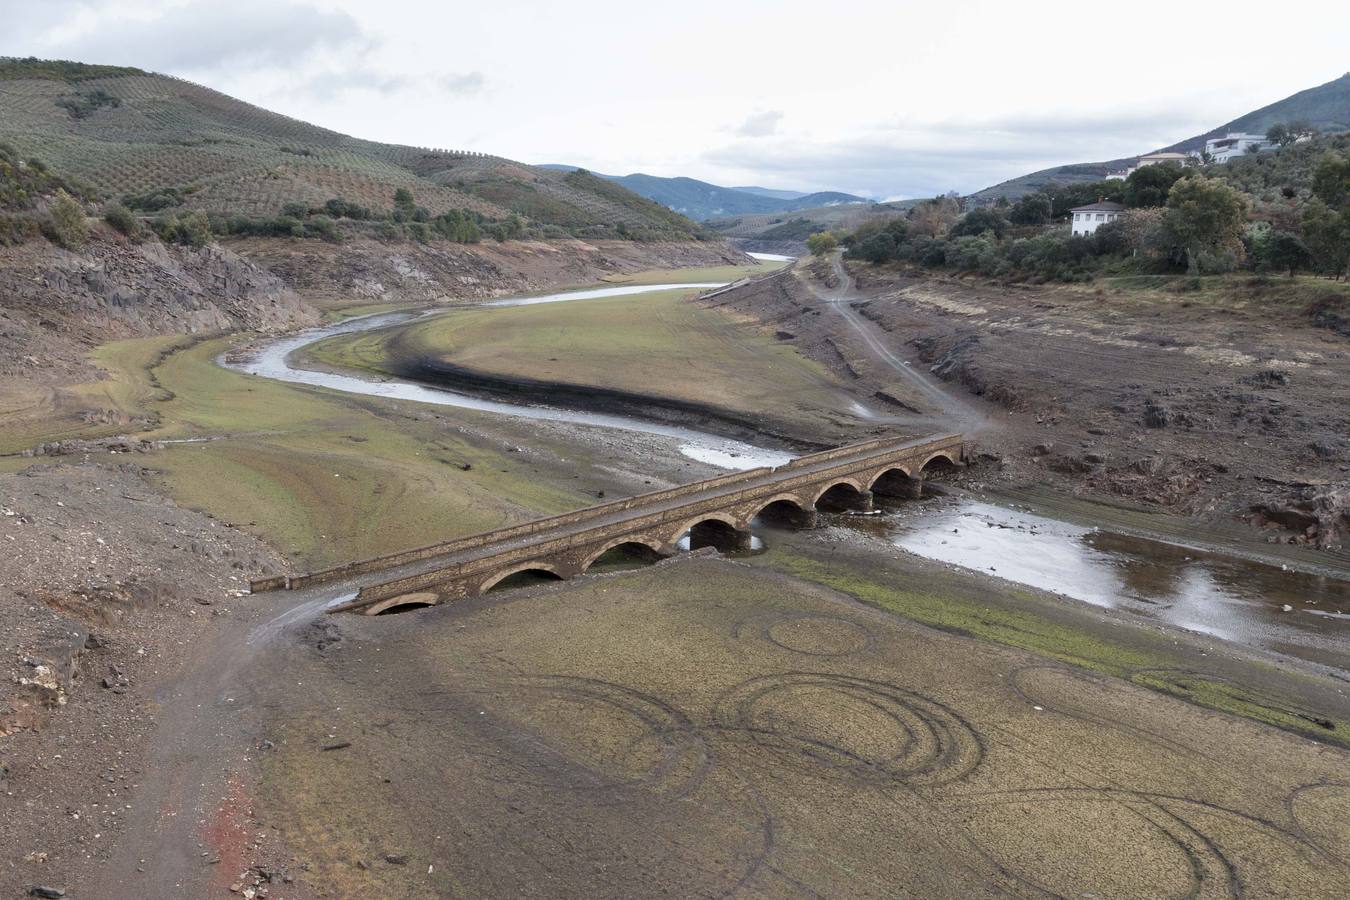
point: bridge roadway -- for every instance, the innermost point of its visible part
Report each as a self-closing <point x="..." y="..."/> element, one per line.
<point x="716" y="512"/>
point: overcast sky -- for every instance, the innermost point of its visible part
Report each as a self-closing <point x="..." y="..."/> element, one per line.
<point x="886" y="99"/>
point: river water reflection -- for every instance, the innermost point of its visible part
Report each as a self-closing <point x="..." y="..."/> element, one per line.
<point x="1230" y="598"/>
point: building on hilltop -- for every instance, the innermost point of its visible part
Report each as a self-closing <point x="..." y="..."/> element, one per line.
<point x="1151" y="159"/>
<point x="1235" y="144"/>
<point x="1087" y="219"/>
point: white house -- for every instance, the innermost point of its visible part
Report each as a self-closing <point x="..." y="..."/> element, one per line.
<point x="1235" y="144"/>
<point x="1151" y="159"/>
<point x="1087" y="219"/>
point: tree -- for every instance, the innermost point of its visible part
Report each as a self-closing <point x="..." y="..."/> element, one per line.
<point x="65" y="224"/>
<point x="404" y="206"/>
<point x="1326" y="224"/>
<point x="821" y="243"/>
<point x="1148" y="185"/>
<point x="877" y="249"/>
<point x="1331" y="179"/>
<point x="194" y="229"/>
<point x="1206" y="218"/>
<point x="1033" y="209"/>
<point x="1281" y="251"/>
<point x="932" y="218"/>
<point x="978" y="221"/>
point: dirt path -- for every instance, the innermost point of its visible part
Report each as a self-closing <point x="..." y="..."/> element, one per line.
<point x="954" y="412"/>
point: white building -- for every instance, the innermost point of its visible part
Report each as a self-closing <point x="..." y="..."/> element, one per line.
<point x="1087" y="219"/>
<point x="1235" y="144"/>
<point x="1151" y="159"/>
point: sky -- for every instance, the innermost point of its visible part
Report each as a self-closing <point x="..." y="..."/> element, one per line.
<point x="888" y="99"/>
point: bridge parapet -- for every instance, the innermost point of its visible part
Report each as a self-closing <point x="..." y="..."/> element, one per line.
<point x="566" y="545"/>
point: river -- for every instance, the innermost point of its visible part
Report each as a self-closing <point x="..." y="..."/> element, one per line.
<point x="1296" y="614"/>
<point x="1247" y="602"/>
<point x="274" y="360"/>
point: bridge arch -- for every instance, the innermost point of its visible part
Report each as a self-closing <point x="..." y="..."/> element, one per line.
<point x="649" y="546"/>
<point x="784" y="508"/>
<point x="690" y="524"/>
<point x="536" y="566"/>
<point x="837" y="483"/>
<point x="946" y="462"/>
<point x="892" y="472"/>
<point x="402" y="603"/>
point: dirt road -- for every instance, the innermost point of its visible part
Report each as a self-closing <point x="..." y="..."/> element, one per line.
<point x="953" y="411"/>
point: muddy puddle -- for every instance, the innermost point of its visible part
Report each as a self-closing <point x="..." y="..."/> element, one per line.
<point x="1250" y="603"/>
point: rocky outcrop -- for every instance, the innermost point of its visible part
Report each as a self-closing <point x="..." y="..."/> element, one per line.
<point x="56" y="304"/>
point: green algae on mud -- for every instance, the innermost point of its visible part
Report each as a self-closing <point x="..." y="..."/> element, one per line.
<point x="1005" y="614"/>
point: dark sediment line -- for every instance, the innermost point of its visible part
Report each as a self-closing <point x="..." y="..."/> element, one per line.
<point x="517" y="389"/>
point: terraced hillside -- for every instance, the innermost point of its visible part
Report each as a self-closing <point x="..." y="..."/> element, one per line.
<point x="125" y="131"/>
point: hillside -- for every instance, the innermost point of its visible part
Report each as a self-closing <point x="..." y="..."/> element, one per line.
<point x="124" y="132"/>
<point x="796" y="226"/>
<point x="1325" y="107"/>
<point x="770" y="192"/>
<point x="702" y="200"/>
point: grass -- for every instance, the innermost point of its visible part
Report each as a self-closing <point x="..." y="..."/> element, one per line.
<point x="309" y="471"/>
<point x="313" y="473"/>
<point x="38" y="415"/>
<point x="1009" y="618"/>
<point x="1235" y="290"/>
<point x="706" y="273"/>
<point x="657" y="344"/>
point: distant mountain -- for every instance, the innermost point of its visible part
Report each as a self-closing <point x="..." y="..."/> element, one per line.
<point x="125" y="131"/>
<point x="702" y="201"/>
<point x="1325" y="107"/>
<point x="770" y="192"/>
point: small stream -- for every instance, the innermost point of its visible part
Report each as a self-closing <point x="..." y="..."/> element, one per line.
<point x="1293" y="613"/>
<point x="274" y="361"/>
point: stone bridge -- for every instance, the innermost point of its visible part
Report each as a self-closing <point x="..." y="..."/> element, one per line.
<point x="716" y="512"/>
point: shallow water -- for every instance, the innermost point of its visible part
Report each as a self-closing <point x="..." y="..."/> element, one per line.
<point x="1230" y="598"/>
<point x="273" y="361"/>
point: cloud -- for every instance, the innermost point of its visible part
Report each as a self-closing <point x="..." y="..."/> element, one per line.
<point x="464" y="83"/>
<point x="328" y="85"/>
<point x="760" y="124"/>
<point x="924" y="158"/>
<point x="207" y="36"/>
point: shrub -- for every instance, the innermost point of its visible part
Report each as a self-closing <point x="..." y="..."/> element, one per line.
<point x="165" y="228"/>
<point x="324" y="228"/>
<point x="65" y="224"/>
<point x="16" y="230"/>
<point x="339" y="208"/>
<point x="194" y="229"/>
<point x="821" y="243"/>
<point x="82" y="106"/>
<point x="123" y="220"/>
<point x="979" y="221"/>
<point x="155" y="200"/>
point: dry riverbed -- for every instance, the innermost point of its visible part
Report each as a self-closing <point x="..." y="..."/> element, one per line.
<point x="834" y="716"/>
